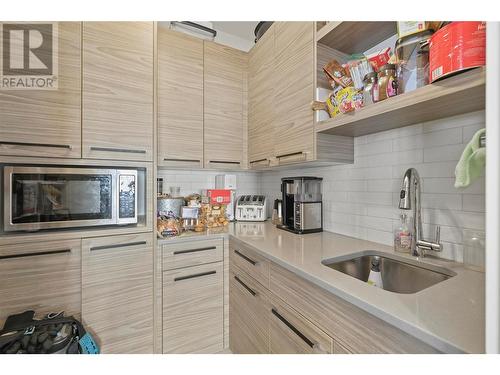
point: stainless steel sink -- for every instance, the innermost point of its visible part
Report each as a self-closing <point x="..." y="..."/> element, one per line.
<point x="399" y="275"/>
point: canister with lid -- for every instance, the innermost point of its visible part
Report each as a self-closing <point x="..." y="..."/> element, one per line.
<point x="370" y="88"/>
<point x="387" y="81"/>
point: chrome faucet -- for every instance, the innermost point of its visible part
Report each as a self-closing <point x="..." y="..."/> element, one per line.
<point x="409" y="199"/>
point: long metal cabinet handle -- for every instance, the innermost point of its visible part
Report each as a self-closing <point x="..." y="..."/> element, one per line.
<point x="224" y="162"/>
<point x="250" y="290"/>
<point x="292" y="327"/>
<point x="69" y="147"/>
<point x="194" y="250"/>
<point x="195" y="275"/>
<point x="251" y="261"/>
<point x="104" y="247"/>
<point x="23" y="255"/>
<point x="290" y="154"/>
<point x="259" y="161"/>
<point x="111" y="149"/>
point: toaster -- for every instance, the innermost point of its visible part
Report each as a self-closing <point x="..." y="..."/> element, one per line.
<point x="251" y="208"/>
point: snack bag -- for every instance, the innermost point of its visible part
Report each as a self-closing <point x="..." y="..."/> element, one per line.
<point x="348" y="99"/>
<point x="338" y="73"/>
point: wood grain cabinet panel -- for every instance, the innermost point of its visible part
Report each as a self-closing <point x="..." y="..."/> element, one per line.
<point x="291" y="333"/>
<point x="193" y="314"/>
<point x="224" y="94"/>
<point x="294" y="78"/>
<point x="180" y="99"/>
<point x="249" y="261"/>
<point x="117" y="292"/>
<point x="261" y="101"/>
<point x="192" y="253"/>
<point x="248" y="314"/>
<point x="118" y="90"/>
<point x="43" y="276"/>
<point x="46" y="123"/>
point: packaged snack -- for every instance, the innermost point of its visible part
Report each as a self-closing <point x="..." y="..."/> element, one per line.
<point x="219" y="196"/>
<point x="348" y="99"/>
<point x="359" y="67"/>
<point x="406" y="28"/>
<point x="338" y="73"/>
<point x="379" y="59"/>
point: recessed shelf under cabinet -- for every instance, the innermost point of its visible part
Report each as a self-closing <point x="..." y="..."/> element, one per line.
<point x="452" y="96"/>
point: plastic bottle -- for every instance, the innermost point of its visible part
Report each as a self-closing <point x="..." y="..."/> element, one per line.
<point x="402" y="236"/>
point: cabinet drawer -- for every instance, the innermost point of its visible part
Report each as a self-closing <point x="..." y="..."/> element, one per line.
<point x="44" y="277"/>
<point x="291" y="333"/>
<point x="249" y="261"/>
<point x="248" y="318"/>
<point x="191" y="253"/>
<point x="117" y="292"/>
<point x="193" y="309"/>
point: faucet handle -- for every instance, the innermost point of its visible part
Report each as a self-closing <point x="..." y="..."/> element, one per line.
<point x="438" y="233"/>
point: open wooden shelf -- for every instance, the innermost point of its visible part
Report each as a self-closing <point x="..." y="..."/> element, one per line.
<point x="355" y="37"/>
<point x="451" y="96"/>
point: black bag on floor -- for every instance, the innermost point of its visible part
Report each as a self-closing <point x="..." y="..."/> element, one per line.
<point x="55" y="334"/>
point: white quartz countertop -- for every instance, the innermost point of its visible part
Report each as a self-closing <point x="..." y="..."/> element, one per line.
<point x="448" y="316"/>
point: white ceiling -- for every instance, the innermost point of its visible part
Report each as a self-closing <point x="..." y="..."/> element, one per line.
<point x="241" y="29"/>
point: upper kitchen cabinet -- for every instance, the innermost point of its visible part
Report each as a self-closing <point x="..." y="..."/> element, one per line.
<point x="224" y="106"/>
<point x="260" y="101"/>
<point x="117" y="116"/>
<point x="294" y="82"/>
<point x="180" y="99"/>
<point x="46" y="122"/>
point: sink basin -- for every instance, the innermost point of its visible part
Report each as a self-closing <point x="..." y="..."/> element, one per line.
<point x="399" y="275"/>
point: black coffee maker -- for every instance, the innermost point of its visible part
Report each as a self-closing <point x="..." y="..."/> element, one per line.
<point x="302" y="206"/>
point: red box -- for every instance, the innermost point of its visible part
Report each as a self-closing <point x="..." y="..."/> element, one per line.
<point x="219" y="196"/>
<point x="456" y="47"/>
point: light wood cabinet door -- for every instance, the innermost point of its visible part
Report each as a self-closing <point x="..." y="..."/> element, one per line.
<point x="224" y="94"/>
<point x="291" y="333"/>
<point x="193" y="312"/>
<point x="118" y="90"/>
<point x="117" y="292"/>
<point x="180" y="99"/>
<point x="261" y="101"/>
<point x="46" y="123"/>
<point x="294" y="82"/>
<point x="44" y="277"/>
<point x="248" y="314"/>
<point x="191" y="253"/>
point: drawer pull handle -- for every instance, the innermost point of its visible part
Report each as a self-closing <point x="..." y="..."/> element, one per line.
<point x="183" y="160"/>
<point x="292" y="327"/>
<point x="224" y="162"/>
<point x="69" y="147"/>
<point x="194" y="250"/>
<point x="268" y="161"/>
<point x="62" y="251"/>
<point x="111" y="149"/>
<point x="251" y="261"/>
<point x="104" y="247"/>
<point x="195" y="275"/>
<point x="250" y="290"/>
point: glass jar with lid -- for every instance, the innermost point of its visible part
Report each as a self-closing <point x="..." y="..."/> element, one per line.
<point x="370" y="88"/>
<point x="387" y="81"/>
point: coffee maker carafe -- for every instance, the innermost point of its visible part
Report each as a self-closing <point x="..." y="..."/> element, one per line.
<point x="302" y="207"/>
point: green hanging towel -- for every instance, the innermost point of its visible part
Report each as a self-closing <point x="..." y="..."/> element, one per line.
<point x="472" y="162"/>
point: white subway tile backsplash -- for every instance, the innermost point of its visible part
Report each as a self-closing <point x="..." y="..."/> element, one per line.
<point x="362" y="198"/>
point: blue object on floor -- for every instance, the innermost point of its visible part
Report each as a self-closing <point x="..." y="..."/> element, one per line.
<point x="88" y="344"/>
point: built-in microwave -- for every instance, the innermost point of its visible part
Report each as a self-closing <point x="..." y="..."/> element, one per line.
<point x="38" y="198"/>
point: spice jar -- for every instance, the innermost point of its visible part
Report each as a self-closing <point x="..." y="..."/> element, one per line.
<point x="387" y="81"/>
<point x="370" y="89"/>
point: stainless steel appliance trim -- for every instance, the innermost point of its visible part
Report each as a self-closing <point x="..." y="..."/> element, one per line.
<point x="111" y="149"/>
<point x="10" y="170"/>
<point x="118" y="245"/>
<point x="53" y="145"/>
<point x="128" y="220"/>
